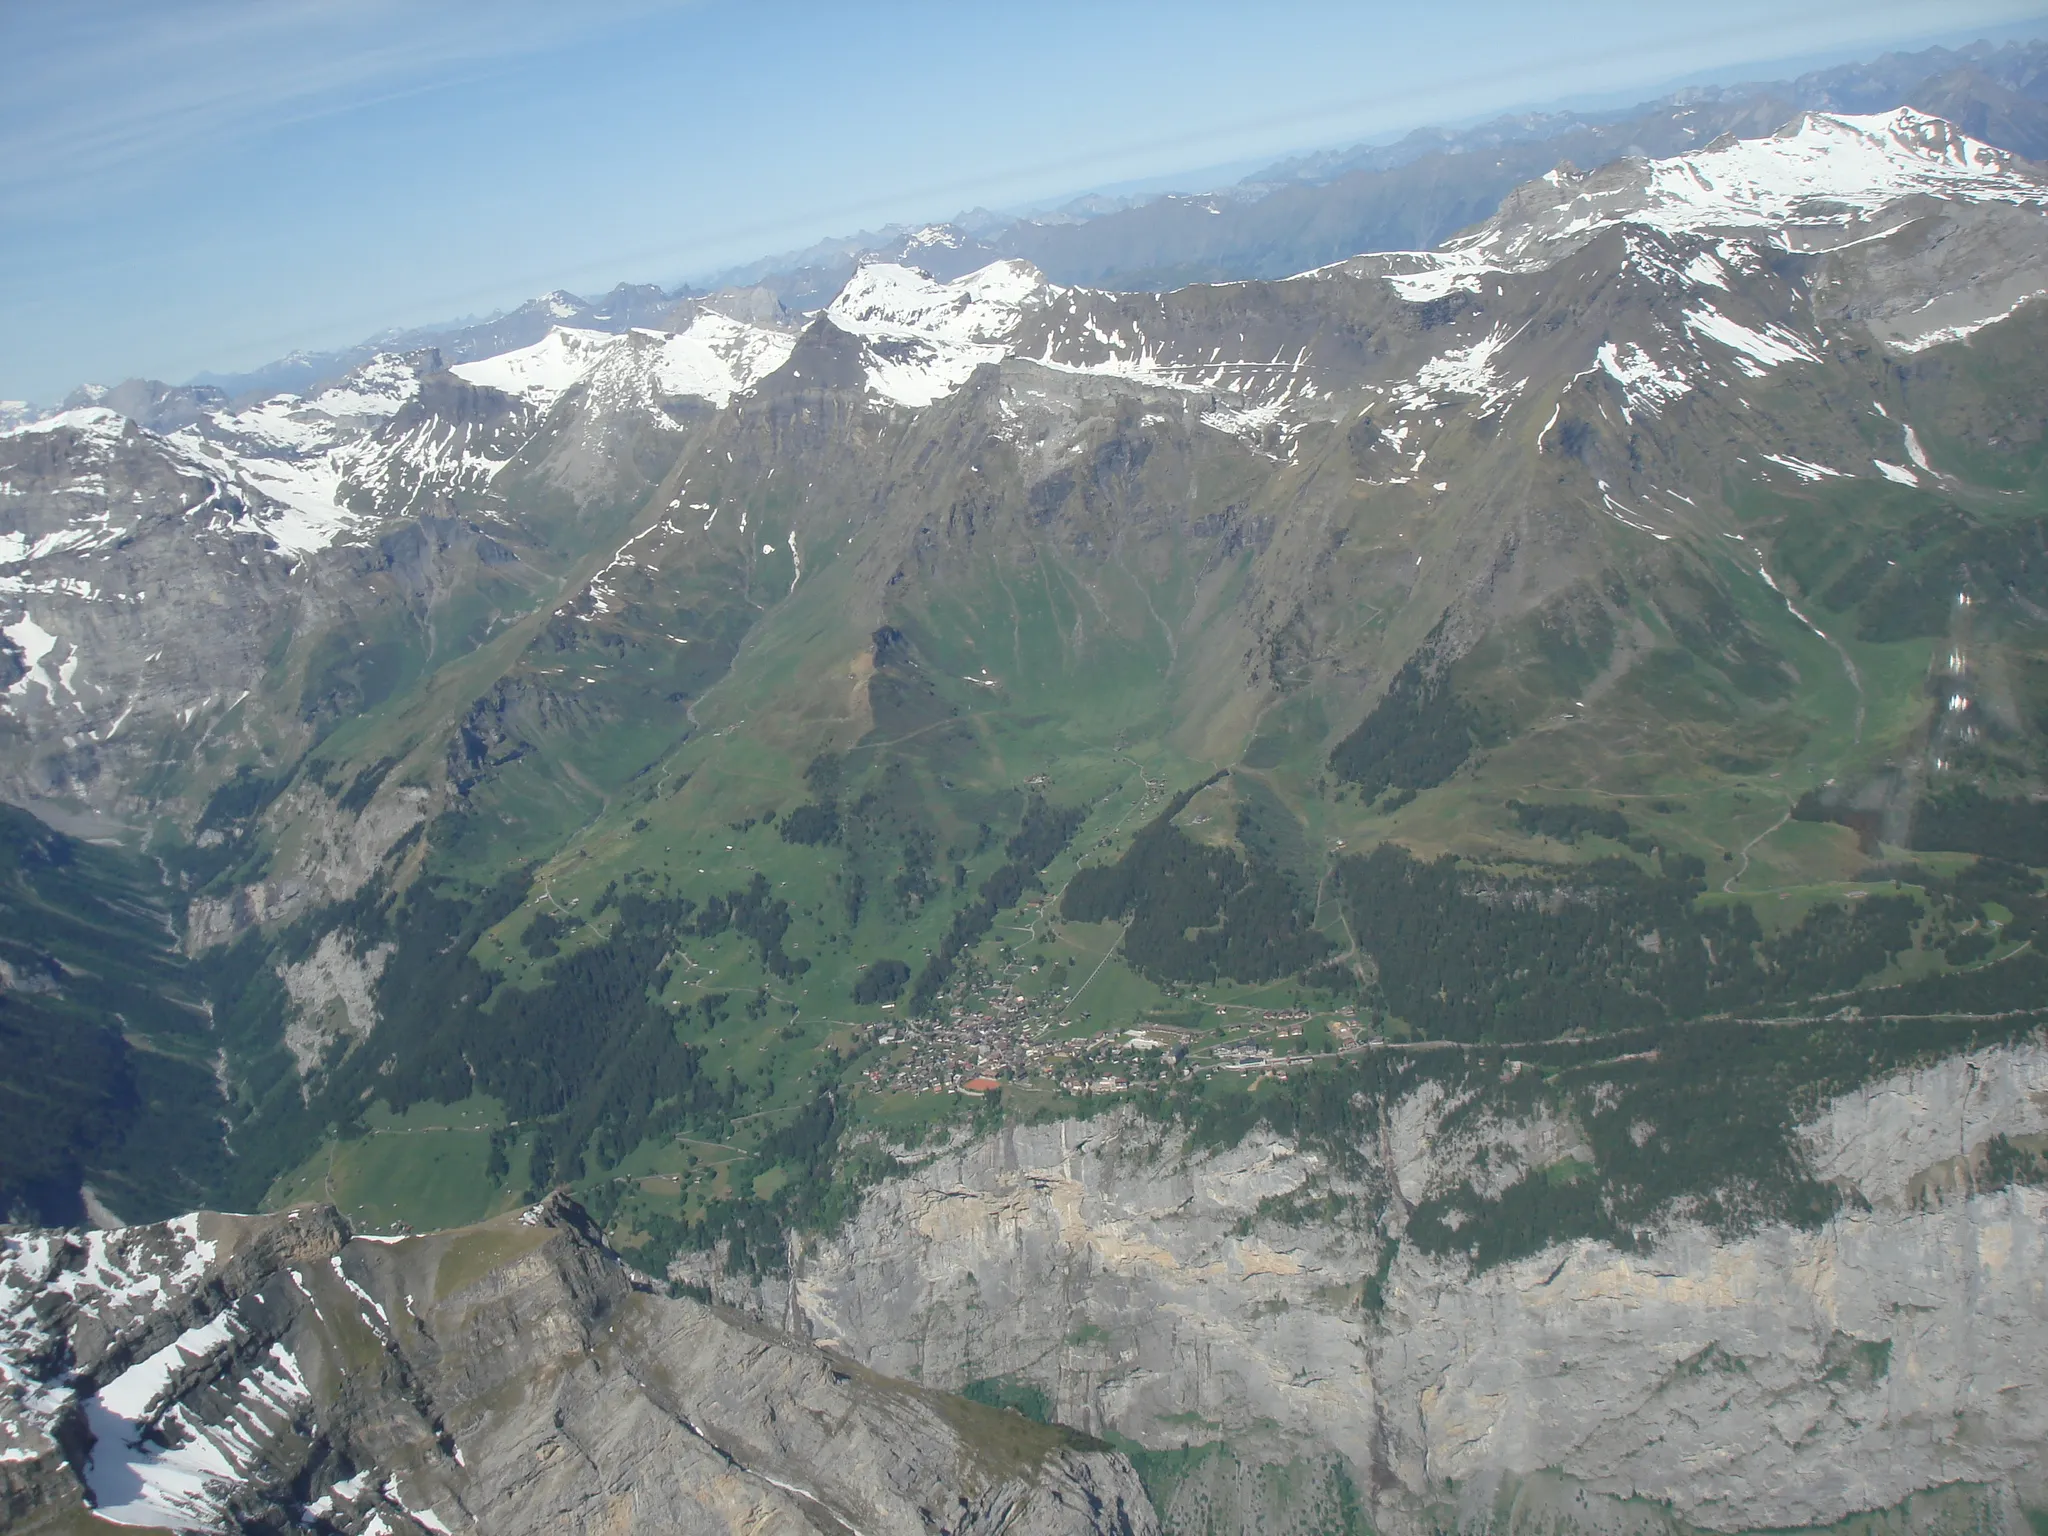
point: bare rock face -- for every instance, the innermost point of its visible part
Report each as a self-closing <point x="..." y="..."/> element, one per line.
<point x="1895" y="1358"/>
<point x="224" y="1372"/>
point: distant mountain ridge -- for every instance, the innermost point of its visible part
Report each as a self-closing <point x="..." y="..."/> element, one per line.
<point x="1296" y="214"/>
<point x="1415" y="193"/>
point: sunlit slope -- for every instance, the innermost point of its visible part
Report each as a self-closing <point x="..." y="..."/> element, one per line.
<point x="1603" y="623"/>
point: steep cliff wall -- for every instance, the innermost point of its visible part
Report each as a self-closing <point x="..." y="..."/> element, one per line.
<point x="220" y="1373"/>
<point x="1779" y="1377"/>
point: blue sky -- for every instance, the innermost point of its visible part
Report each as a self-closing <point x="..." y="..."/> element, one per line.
<point x="209" y="184"/>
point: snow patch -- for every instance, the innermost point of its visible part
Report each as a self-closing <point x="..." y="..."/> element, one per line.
<point x="1803" y="469"/>
<point x="1915" y="452"/>
<point x="1706" y="270"/>
<point x="1948" y="333"/>
<point x="1646" y="386"/>
<point x="35" y="644"/>
<point x="1755" y="350"/>
<point x="1467" y="370"/>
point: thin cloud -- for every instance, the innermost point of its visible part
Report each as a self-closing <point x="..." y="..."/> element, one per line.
<point x="100" y="95"/>
<point x="1632" y="67"/>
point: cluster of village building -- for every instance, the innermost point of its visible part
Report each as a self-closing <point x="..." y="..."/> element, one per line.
<point x="1017" y="1040"/>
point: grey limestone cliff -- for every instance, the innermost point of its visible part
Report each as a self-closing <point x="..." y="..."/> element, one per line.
<point x="223" y="1372"/>
<point x="1778" y="1377"/>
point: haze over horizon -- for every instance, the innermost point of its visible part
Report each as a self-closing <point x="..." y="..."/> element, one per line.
<point x="389" y="169"/>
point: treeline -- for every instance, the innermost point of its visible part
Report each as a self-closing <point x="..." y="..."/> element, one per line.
<point x="1568" y="822"/>
<point x="1966" y="820"/>
<point x="1417" y="736"/>
<point x="1196" y="912"/>
<point x="881" y="982"/>
<point x="1960" y="819"/>
<point x="1467" y="955"/>
<point x="1046" y="829"/>
<point x="1701" y="1119"/>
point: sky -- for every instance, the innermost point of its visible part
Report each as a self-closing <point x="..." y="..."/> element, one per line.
<point x="195" y="185"/>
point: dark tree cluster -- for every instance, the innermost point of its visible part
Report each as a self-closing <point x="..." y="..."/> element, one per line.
<point x="755" y="913"/>
<point x="1568" y="823"/>
<point x="587" y="1057"/>
<point x="813" y="824"/>
<point x="882" y="982"/>
<point x="245" y="795"/>
<point x="1416" y="736"/>
<point x="1197" y="913"/>
<point x="1467" y="955"/>
<point x="1906" y="586"/>
<point x="543" y="937"/>
<point x="1046" y="830"/>
<point x="1966" y="820"/>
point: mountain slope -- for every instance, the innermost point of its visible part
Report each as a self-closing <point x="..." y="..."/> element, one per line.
<point x="1036" y="660"/>
<point x="1423" y="547"/>
<point x="232" y="1371"/>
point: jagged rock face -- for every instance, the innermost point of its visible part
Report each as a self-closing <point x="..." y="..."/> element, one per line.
<point x="227" y="1372"/>
<point x="141" y="592"/>
<point x="182" y="581"/>
<point x="1782" y="1378"/>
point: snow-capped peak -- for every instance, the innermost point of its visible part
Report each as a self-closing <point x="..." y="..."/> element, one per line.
<point x="380" y="387"/>
<point x="91" y="420"/>
<point x="1813" y="183"/>
<point x="542" y="373"/>
<point x="1820" y="169"/>
<point x="716" y="357"/>
<point x="926" y="337"/>
<point x="983" y="308"/>
<point x="940" y="236"/>
<point x="713" y="358"/>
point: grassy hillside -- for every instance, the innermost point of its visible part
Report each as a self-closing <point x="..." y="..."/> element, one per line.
<point x="1073" y="733"/>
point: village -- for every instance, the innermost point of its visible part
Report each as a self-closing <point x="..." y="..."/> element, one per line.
<point x="1020" y="1041"/>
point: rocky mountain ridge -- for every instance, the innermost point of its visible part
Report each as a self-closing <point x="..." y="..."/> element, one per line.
<point x="221" y="1373"/>
<point x="1292" y="215"/>
<point x="1420" y="190"/>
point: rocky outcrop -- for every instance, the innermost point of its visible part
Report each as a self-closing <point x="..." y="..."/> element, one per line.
<point x="1788" y="1377"/>
<point x="227" y="1372"/>
<point x="142" y="594"/>
<point x="334" y="994"/>
<point x="332" y="853"/>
